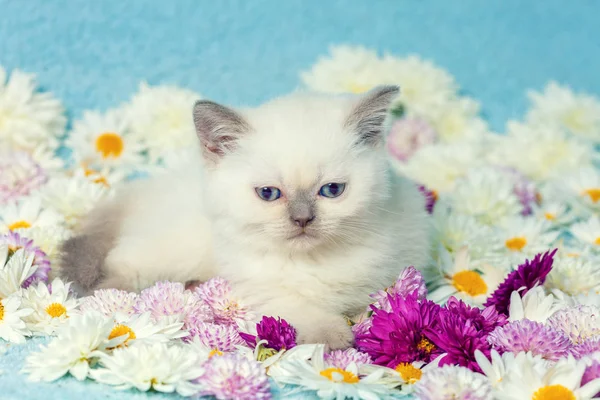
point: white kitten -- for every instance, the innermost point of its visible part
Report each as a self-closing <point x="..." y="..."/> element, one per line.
<point x="293" y="203"/>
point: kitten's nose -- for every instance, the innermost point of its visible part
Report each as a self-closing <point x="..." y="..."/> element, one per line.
<point x="302" y="222"/>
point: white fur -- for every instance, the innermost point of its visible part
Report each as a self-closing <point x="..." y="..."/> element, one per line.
<point x="195" y="223"/>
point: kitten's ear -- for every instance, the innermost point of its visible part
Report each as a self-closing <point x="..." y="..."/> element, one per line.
<point x="368" y="117"/>
<point x="218" y="128"/>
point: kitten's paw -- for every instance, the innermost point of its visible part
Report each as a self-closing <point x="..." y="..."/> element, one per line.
<point x="335" y="333"/>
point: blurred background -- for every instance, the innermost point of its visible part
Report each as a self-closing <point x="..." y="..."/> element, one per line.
<point x="93" y="54"/>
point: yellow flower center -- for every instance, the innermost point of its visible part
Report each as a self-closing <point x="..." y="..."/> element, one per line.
<point x="516" y="243"/>
<point x="109" y="144"/>
<point x="597" y="241"/>
<point x="358" y="88"/>
<point x="55" y="310"/>
<point x="1" y="311"/>
<point x="121" y="330"/>
<point x="469" y="282"/>
<point x="593" y="193"/>
<point x="215" y="352"/>
<point x="19" y="225"/>
<point x="96" y="179"/>
<point x="550" y="216"/>
<point x="553" y="392"/>
<point x="425" y="346"/>
<point x="339" y="375"/>
<point x="409" y="373"/>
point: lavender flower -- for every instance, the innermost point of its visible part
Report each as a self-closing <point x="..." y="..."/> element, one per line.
<point x="223" y="338"/>
<point x="407" y="136"/>
<point x="20" y="175"/>
<point x="592" y="372"/>
<point x="410" y="281"/>
<point x="109" y="302"/>
<point x="579" y="323"/>
<point x="585" y="348"/>
<point x="343" y="358"/>
<point x="225" y="309"/>
<point x="14" y="241"/>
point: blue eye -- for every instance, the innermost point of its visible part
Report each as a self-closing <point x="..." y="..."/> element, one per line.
<point x="332" y="190"/>
<point x="268" y="193"/>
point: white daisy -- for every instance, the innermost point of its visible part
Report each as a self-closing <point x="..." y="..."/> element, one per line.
<point x="272" y="362"/>
<point x="556" y="213"/>
<point x="12" y="327"/>
<point x="523" y="237"/>
<point x="559" y="106"/>
<point x="453" y="382"/>
<point x="471" y="282"/>
<point x="404" y="376"/>
<point x="535" y="379"/>
<point x="51" y="308"/>
<point x="27" y="118"/>
<point x="49" y="239"/>
<point x="27" y="213"/>
<point x="77" y="345"/>
<point x="104" y="140"/>
<point x="161" y="117"/>
<point x="144" y="366"/>
<point x="582" y="190"/>
<point x="459" y="121"/>
<point x="141" y="328"/>
<point x="588" y="232"/>
<point x="498" y="367"/>
<point x="535" y="305"/>
<point x="574" y="275"/>
<point x="106" y="177"/>
<point x="330" y="382"/>
<point x="14" y="270"/>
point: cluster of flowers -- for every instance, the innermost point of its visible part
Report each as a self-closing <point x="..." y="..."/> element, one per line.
<point x="507" y="309"/>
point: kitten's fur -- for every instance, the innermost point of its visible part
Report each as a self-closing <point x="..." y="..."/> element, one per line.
<point x="207" y="220"/>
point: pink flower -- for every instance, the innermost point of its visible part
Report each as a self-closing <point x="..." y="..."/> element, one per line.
<point x="15" y="242"/>
<point x="224" y="307"/>
<point x="410" y="281"/>
<point x="408" y="135"/>
<point x="19" y="175"/>
<point x="343" y="358"/>
<point x="224" y="338"/>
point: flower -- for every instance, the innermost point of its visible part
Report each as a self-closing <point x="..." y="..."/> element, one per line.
<point x="525" y="277"/>
<point x="592" y="372"/>
<point x="407" y="136"/>
<point x="383" y="342"/>
<point x="235" y="377"/>
<point x="104" y="140"/>
<point x="530" y="336"/>
<point x="224" y="307"/>
<point x="343" y="358"/>
<point x="171" y="300"/>
<point x="586" y="348"/>
<point x="27" y="118"/>
<point x="588" y="232"/>
<point x="144" y="366"/>
<point x="161" y="119"/>
<point x="430" y="198"/>
<point x="109" y="302"/>
<point x="524" y="237"/>
<point x="78" y="344"/>
<point x="140" y="327"/>
<point x="222" y="338"/>
<point x="574" y="276"/>
<point x="12" y="327"/>
<point x="458" y="121"/>
<point x="579" y="323"/>
<point x="581" y="189"/>
<point x="559" y="107"/>
<point x="535" y="305"/>
<point x="48" y="239"/>
<point x="14" y="271"/>
<point x="277" y="333"/>
<point x="51" y="308"/>
<point x="20" y="175"/>
<point x="498" y="367"/>
<point x="27" y="213"/>
<point x="328" y="381"/>
<point x="484" y="321"/>
<point x="410" y="281"/>
<point x="14" y="241"/>
<point x="453" y="382"/>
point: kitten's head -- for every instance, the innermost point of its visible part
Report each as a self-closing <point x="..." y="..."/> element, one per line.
<point x="298" y="173"/>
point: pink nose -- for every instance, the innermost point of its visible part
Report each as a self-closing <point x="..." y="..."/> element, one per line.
<point x="303" y="222"/>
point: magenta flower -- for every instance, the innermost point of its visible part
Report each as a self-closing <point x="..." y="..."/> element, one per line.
<point x="407" y="136"/>
<point x="20" y="175"/>
<point x="592" y="372"/>
<point x="410" y="281"/>
<point x="225" y="309"/>
<point x="430" y="198"/>
<point x="526" y="335"/>
<point x="277" y="332"/>
<point x="484" y="321"/>
<point x="233" y="376"/>
<point x="15" y="242"/>
<point x="343" y="358"/>
<point x="224" y="338"/>
<point x="399" y="335"/>
<point x="525" y="277"/>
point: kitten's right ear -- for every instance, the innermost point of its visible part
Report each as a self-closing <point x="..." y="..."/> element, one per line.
<point x="218" y="128"/>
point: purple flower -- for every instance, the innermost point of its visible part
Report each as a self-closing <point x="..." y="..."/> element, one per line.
<point x="524" y="189"/>
<point x="592" y="372"/>
<point x="410" y="281"/>
<point x="407" y="136"/>
<point x="15" y="242"/>
<point x="484" y="321"/>
<point x="343" y="358"/>
<point x="525" y="277"/>
<point x="233" y="376"/>
<point x="586" y="348"/>
<point x="399" y="335"/>
<point x="526" y="335"/>
<point x="277" y="332"/>
<point x="430" y="198"/>
<point x="225" y="309"/>
<point x="224" y="338"/>
<point x="20" y="174"/>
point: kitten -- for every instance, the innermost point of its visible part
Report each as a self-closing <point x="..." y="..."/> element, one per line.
<point x="293" y="202"/>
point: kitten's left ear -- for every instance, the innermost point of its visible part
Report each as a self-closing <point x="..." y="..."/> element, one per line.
<point x="368" y="117"/>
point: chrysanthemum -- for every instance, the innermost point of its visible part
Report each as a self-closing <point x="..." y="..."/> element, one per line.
<point x="559" y="106"/>
<point x="144" y="366"/>
<point x="277" y="334"/>
<point x="78" y="344"/>
<point x="459" y="121"/>
<point x="141" y="328"/>
<point x="15" y="269"/>
<point x="484" y="320"/>
<point x="170" y="299"/>
<point x="592" y="372"/>
<point x="20" y="175"/>
<point x="27" y="118"/>
<point x="586" y="348"/>
<point x="535" y="305"/>
<point x="161" y="119"/>
<point x="530" y="336"/>
<point x="453" y="382"/>
<point x="12" y="327"/>
<point x="574" y="275"/>
<point x="14" y="241"/>
<point x="525" y="277"/>
<point x="51" y="308"/>
<point x="27" y="213"/>
<point x="236" y="377"/>
<point x="407" y="136"/>
<point x="579" y="323"/>
<point x="103" y="139"/>
<point x="330" y="382"/>
<point x="400" y="335"/>
<point x="582" y="189"/>
<point x="224" y="306"/>
<point x="410" y="281"/>
<point x="109" y="302"/>
<point x="222" y="338"/>
<point x="343" y="358"/>
<point x="588" y="232"/>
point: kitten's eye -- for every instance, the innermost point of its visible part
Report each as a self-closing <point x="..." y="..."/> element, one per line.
<point x="268" y="193"/>
<point x="332" y="190"/>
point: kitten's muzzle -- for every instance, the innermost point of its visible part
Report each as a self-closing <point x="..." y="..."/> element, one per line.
<point x="303" y="222"/>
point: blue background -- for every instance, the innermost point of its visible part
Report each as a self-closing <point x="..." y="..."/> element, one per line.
<point x="92" y="54"/>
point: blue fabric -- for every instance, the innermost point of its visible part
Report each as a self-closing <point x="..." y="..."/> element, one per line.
<point x="92" y="54"/>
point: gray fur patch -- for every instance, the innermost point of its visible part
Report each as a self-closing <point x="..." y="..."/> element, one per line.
<point x="302" y="206"/>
